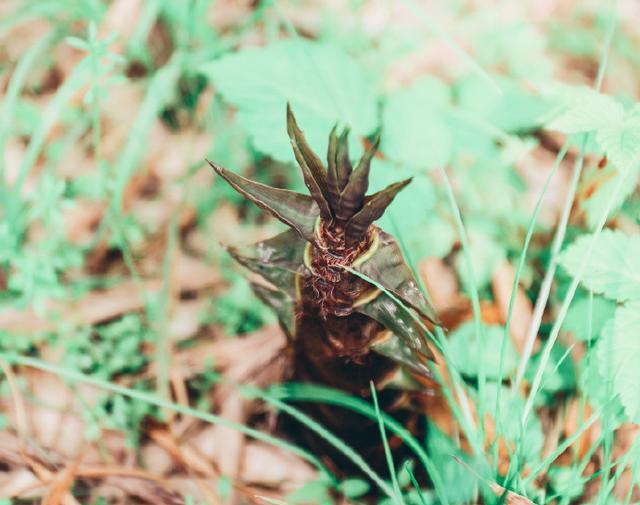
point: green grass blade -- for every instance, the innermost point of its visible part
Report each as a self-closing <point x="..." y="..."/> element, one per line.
<point x="568" y="442"/>
<point x="514" y="290"/>
<point x="158" y="94"/>
<point x="16" y="84"/>
<point x="385" y="443"/>
<point x="475" y="297"/>
<point x="555" y="330"/>
<point x="558" y="239"/>
<point x="320" y="430"/>
<point x="80" y="76"/>
<point x="313" y="393"/>
<point x="414" y="482"/>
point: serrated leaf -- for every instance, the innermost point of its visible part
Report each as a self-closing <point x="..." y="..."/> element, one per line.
<point x="598" y="202"/>
<point x="619" y="355"/>
<point x="613" y="268"/>
<point x="502" y="45"/>
<point x="586" y="110"/>
<point x="323" y="84"/>
<point x="621" y="142"/>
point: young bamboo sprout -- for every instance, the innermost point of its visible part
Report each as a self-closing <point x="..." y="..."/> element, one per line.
<point x="342" y="330"/>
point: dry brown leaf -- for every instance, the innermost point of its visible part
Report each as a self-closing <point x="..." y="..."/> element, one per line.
<point x="156" y="459"/>
<point x="573" y="417"/>
<point x="80" y="220"/>
<point x="13" y="153"/>
<point x="121" y="17"/>
<point x="265" y="465"/>
<point x="201" y="490"/>
<point x="146" y="491"/>
<point x="534" y="168"/>
<point x="228" y="441"/>
<point x="502" y="285"/>
<point x="225" y="352"/>
<point x="53" y="414"/>
<point x="511" y="498"/>
<point x="441" y="283"/>
<point x="58" y="493"/>
<point x="184" y="322"/>
<point x="20" y="482"/>
<point x="183" y="454"/>
<point x="103" y="305"/>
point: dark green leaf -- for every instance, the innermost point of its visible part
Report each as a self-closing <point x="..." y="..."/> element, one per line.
<point x="315" y="177"/>
<point x="352" y="196"/>
<point x="294" y="209"/>
<point x="388" y="267"/>
<point x="373" y="209"/>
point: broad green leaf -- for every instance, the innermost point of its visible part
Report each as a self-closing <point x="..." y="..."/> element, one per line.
<point x="466" y="351"/>
<point x="577" y="320"/>
<point x="583" y="110"/>
<point x="414" y="130"/>
<point x="323" y="84"/>
<point x="516" y="109"/>
<point x="619" y="355"/>
<point x="621" y="142"/>
<point x="613" y="269"/>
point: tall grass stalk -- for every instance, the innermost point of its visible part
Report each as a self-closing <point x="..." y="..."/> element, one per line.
<point x="558" y="239"/>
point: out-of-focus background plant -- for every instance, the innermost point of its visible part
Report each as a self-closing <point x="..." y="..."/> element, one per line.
<point x="128" y="338"/>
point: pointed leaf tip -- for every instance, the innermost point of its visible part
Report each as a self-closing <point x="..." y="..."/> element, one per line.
<point x="353" y="195"/>
<point x="333" y="182"/>
<point x="372" y="210"/>
<point x="294" y="209"/>
<point x="343" y="163"/>
<point x="313" y="172"/>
